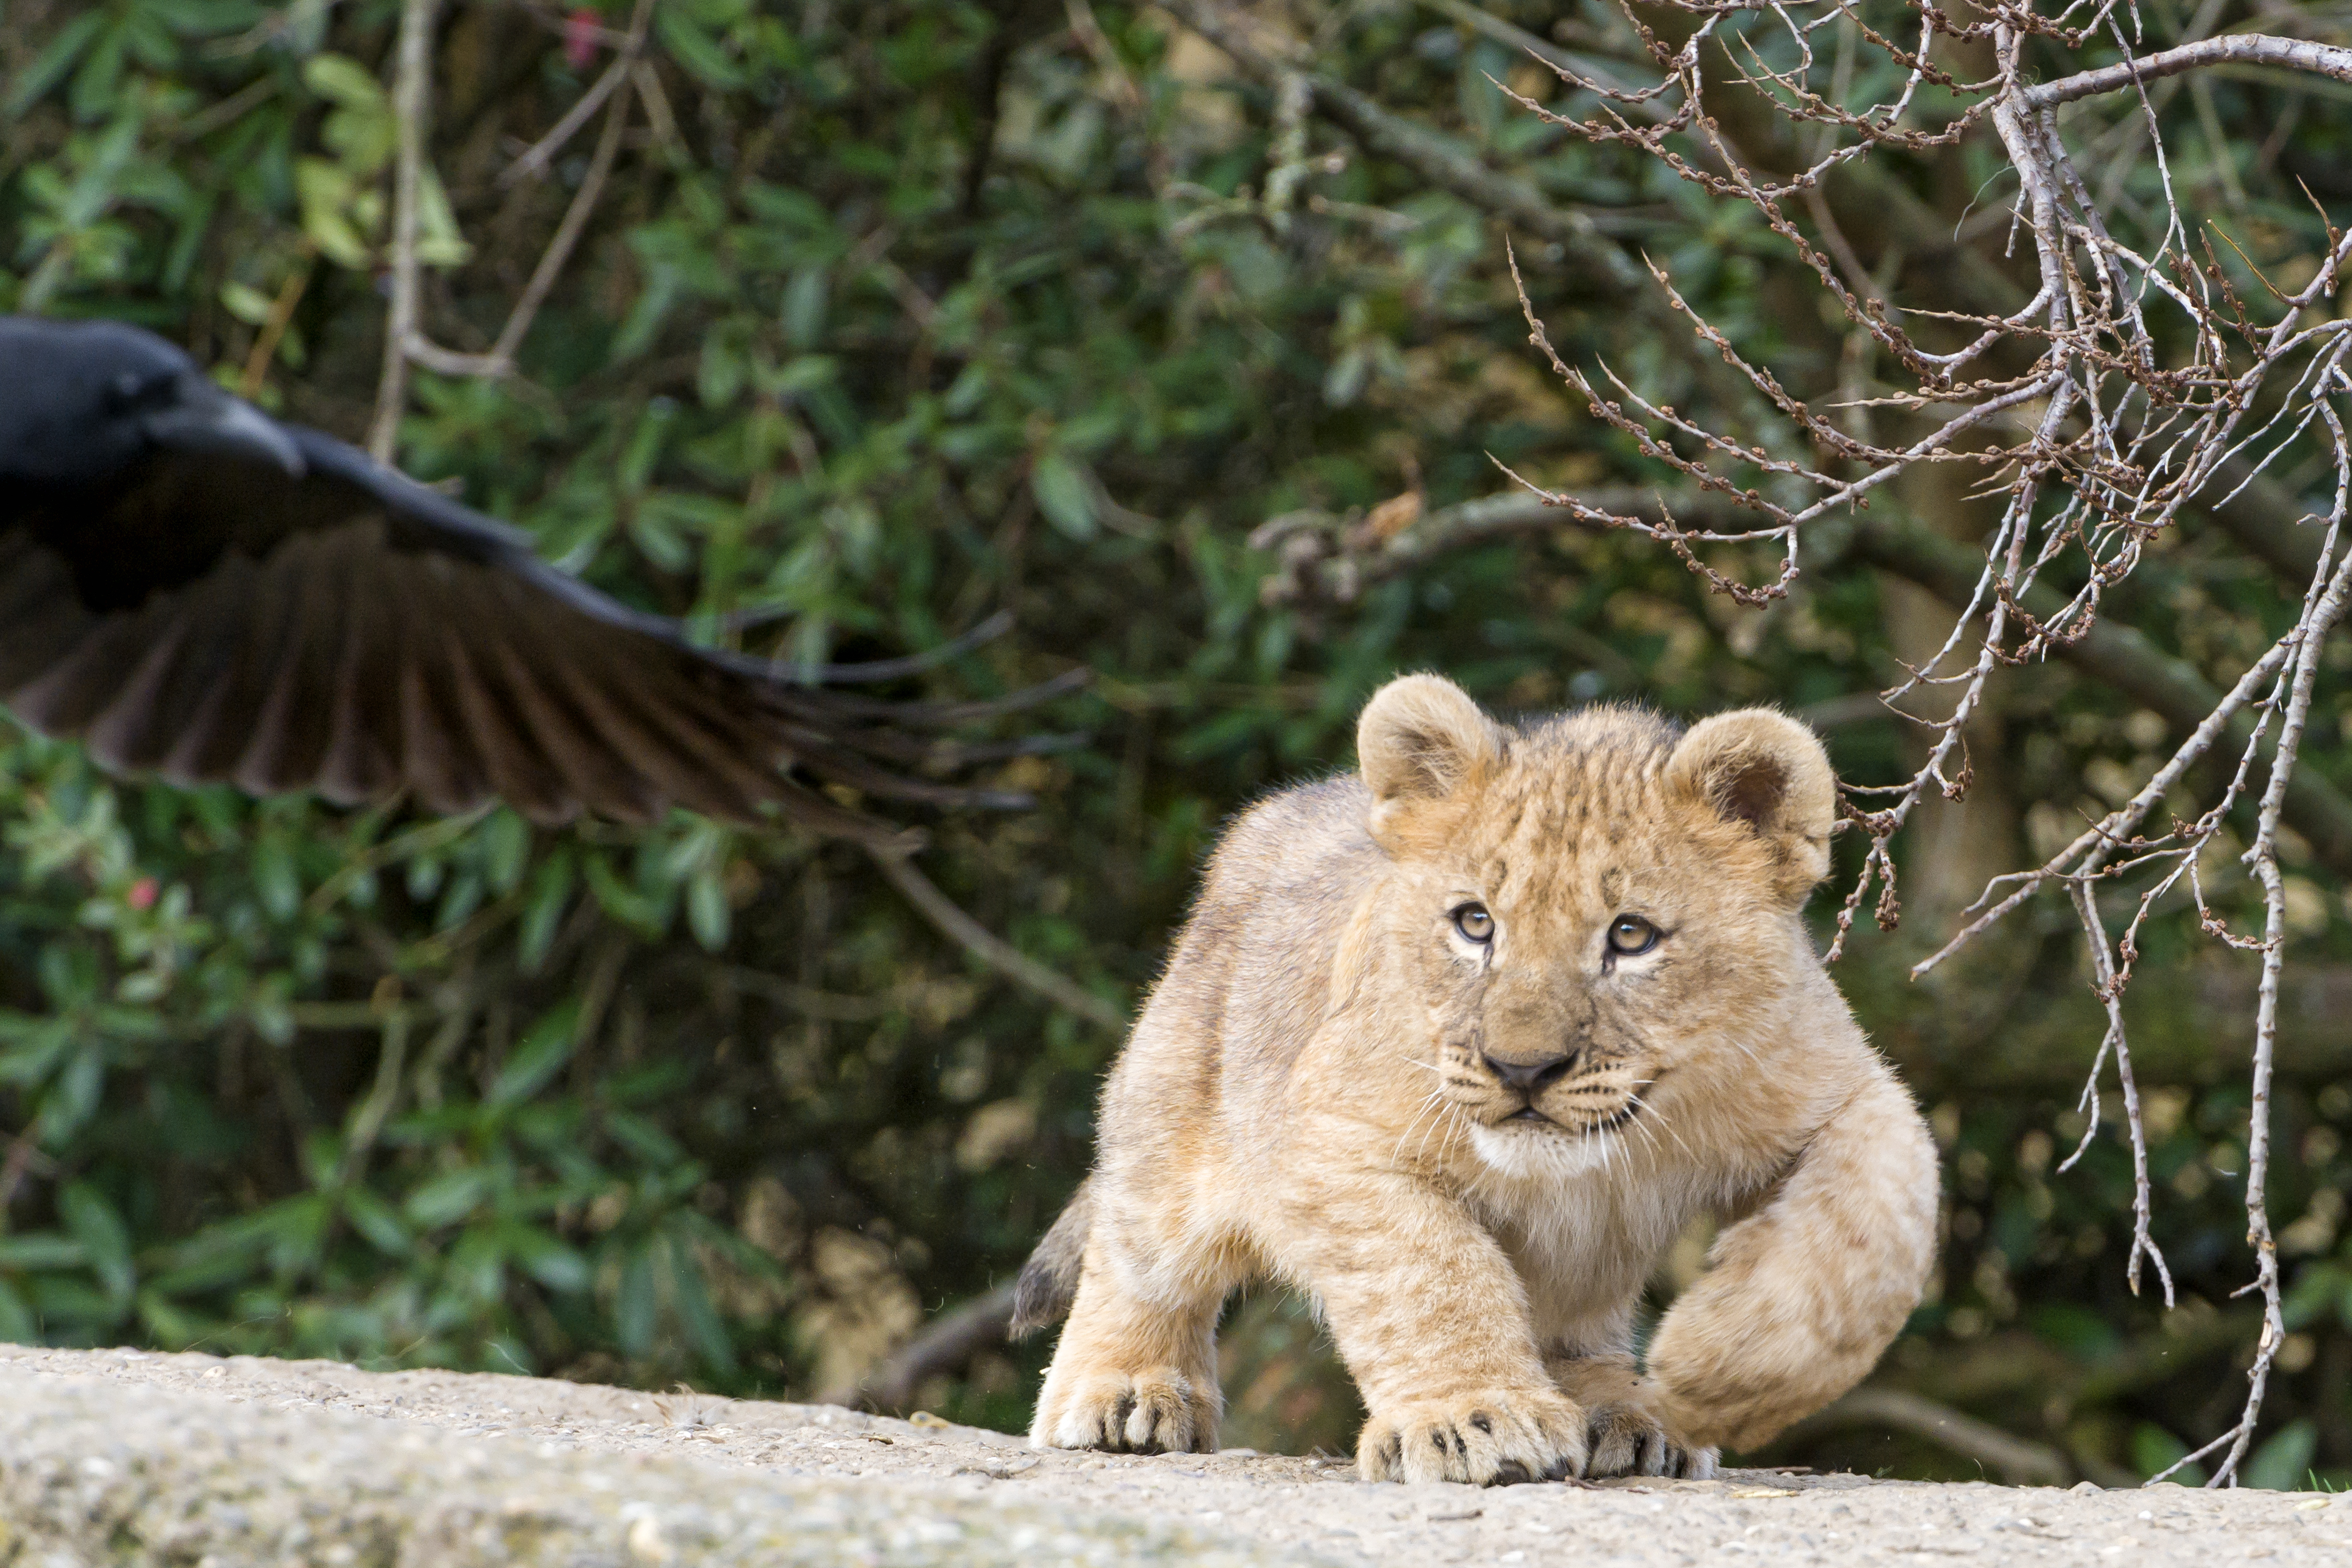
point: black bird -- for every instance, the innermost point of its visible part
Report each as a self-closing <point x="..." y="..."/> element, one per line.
<point x="196" y="590"/>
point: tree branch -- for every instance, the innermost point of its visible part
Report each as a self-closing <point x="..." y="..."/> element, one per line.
<point x="2241" y="48"/>
<point x="2018" y="1461"/>
<point x="989" y="948"/>
<point x="1334" y="558"/>
<point x="947" y="1345"/>
<point x="2117" y="656"/>
<point x="407" y="343"/>
<point x="412" y="102"/>
<point x="1436" y="158"/>
<point x="1324" y="556"/>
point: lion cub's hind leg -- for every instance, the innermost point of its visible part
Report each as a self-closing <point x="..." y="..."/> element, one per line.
<point x="1625" y="1433"/>
<point x="1130" y="1375"/>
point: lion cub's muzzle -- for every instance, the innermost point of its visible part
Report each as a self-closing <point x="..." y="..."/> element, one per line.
<point x="1563" y="1089"/>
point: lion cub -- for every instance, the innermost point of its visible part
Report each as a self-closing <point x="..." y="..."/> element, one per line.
<point x="1458" y="1048"/>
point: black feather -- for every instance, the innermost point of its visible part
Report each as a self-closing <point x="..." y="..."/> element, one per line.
<point x="196" y="589"/>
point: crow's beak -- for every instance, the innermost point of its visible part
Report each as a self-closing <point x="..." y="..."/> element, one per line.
<point x="206" y="419"/>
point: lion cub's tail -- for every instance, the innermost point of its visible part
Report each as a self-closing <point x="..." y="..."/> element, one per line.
<point x="1050" y="1278"/>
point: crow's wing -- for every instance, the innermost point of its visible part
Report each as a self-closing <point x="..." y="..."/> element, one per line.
<point x="209" y="617"/>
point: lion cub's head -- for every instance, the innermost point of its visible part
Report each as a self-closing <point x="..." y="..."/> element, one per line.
<point x="1599" y="907"/>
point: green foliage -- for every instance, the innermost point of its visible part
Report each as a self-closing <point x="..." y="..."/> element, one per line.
<point x="893" y="314"/>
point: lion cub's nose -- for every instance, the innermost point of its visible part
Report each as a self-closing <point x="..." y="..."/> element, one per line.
<point x="1530" y="1077"/>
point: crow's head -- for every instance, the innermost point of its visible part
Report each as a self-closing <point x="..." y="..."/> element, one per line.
<point x="82" y="401"/>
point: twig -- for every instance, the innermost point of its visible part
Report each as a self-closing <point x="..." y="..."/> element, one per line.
<point x="1425" y="152"/>
<point x="24" y="1156"/>
<point x="273" y="330"/>
<point x="567" y="233"/>
<point x="987" y="946"/>
<point x="411" y="103"/>
<point x="534" y="161"/>
<point x="2016" y="1460"/>
<point x="414" y="346"/>
<point x="1324" y="556"/>
<point x="947" y="1345"/>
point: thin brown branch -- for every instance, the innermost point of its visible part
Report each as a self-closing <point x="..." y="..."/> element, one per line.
<point x="406" y="331"/>
<point x="534" y="161"/>
<point x="1428" y="154"/>
<point x="989" y="948"/>
<point x="2014" y="1459"/>
<point x="1331" y="557"/>
<point x="946" y="1346"/>
<point x="568" y="233"/>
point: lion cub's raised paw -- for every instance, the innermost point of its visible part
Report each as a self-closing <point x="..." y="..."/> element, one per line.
<point x="1494" y="1438"/>
<point x="1155" y="1411"/>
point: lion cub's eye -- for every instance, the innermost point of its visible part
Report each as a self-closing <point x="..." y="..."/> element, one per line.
<point x="1474" y="924"/>
<point x="1630" y="935"/>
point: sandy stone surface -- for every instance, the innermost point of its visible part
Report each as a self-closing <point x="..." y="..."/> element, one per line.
<point x="119" y="1457"/>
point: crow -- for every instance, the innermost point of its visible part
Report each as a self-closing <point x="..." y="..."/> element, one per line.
<point x="198" y="592"/>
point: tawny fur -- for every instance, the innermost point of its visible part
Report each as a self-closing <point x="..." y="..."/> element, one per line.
<point x="1317" y="1093"/>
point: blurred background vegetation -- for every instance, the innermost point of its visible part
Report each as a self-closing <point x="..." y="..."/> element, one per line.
<point x="893" y="313"/>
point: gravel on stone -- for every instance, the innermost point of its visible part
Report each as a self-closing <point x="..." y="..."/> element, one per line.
<point x="127" y="1458"/>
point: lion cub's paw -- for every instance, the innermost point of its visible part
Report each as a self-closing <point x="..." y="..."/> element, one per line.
<point x="1628" y="1439"/>
<point x="1155" y="1411"/>
<point x="1491" y="1439"/>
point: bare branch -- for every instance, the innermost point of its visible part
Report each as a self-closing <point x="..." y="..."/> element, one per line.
<point x="2017" y="1461"/>
<point x="946" y="1345"/>
<point x="411" y="103"/>
<point x="989" y="948"/>
<point x="1435" y="158"/>
<point x="2235" y="49"/>
<point x="406" y="342"/>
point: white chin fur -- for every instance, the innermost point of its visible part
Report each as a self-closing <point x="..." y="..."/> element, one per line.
<point x="1540" y="1153"/>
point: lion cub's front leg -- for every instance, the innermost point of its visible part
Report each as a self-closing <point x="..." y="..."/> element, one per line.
<point x="1801" y="1296"/>
<point x="1131" y="1374"/>
<point x="1433" y="1322"/>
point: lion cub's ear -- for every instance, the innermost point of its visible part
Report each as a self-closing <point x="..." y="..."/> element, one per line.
<point x="1421" y="739"/>
<point x="1769" y="771"/>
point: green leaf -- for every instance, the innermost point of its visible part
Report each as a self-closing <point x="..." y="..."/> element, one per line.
<point x="377" y="1222"/>
<point x="342" y="80"/>
<point x="543" y="907"/>
<point x="548" y="1260"/>
<point x="39" y="1045"/>
<point x="51" y="64"/>
<point x="702" y="1324"/>
<point x="1065" y="495"/>
<point x="700" y="54"/>
<point x="17" y="1324"/>
<point x="2154" y="1449"/>
<point x="447" y="1197"/>
<point x="636" y="1305"/>
<point x="41" y="1250"/>
<point x="72" y="1100"/>
<point x="707" y="914"/>
<point x="539" y="1058"/>
<point x="2282" y="1463"/>
<point x="274" y="876"/>
<point x="105" y="1239"/>
<point x="803" y="312"/>
<point x="506" y="837"/>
